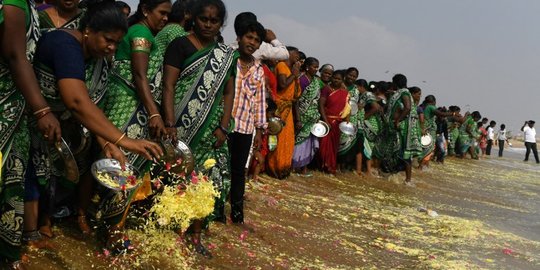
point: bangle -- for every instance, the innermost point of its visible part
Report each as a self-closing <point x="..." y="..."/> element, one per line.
<point x="154" y="115"/>
<point x="42" y="114"/>
<point x="105" y="145"/>
<point x="224" y="130"/>
<point x="119" y="139"/>
<point x="42" y="110"/>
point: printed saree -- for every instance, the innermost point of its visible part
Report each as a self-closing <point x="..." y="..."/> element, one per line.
<point x="431" y="128"/>
<point x="466" y="135"/>
<point x="306" y="144"/>
<point x="369" y="127"/>
<point x="121" y="103"/>
<point x="347" y="142"/>
<point x="14" y="142"/>
<point x="401" y="143"/>
<point x="198" y="108"/>
<point x="46" y="23"/>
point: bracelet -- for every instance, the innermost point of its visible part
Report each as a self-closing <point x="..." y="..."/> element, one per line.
<point x="119" y="139"/>
<point x="42" y="110"/>
<point x="42" y="114"/>
<point x="154" y="115"/>
<point x="105" y="145"/>
<point x="224" y="130"/>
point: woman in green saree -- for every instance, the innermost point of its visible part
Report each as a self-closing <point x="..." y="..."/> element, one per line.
<point x="18" y="86"/>
<point x="401" y="130"/>
<point x="132" y="100"/>
<point x="453" y="130"/>
<point x="198" y="96"/>
<point x="349" y="145"/>
<point x="71" y="70"/>
<point x="369" y="122"/>
<point x="428" y="125"/>
<point x="467" y="135"/>
<point x="307" y="110"/>
<point x="63" y="14"/>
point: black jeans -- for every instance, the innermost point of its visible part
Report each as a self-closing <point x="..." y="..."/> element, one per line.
<point x="501" y="147"/>
<point x="531" y="146"/>
<point x="239" y="146"/>
<point x="488" y="147"/>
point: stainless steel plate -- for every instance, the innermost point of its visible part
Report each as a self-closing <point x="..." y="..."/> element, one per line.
<point x="111" y="167"/>
<point x="347" y="128"/>
<point x="320" y="129"/>
<point x="71" y="170"/>
<point x="179" y="154"/>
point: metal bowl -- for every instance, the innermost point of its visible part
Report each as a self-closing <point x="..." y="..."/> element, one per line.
<point x="347" y="128"/>
<point x="320" y="129"/>
<point x="426" y="140"/>
<point x="275" y="125"/>
<point x="71" y="170"/>
<point x="111" y="168"/>
<point x="180" y="155"/>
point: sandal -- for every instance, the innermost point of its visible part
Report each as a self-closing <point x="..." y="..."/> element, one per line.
<point x="195" y="243"/>
<point x="83" y="224"/>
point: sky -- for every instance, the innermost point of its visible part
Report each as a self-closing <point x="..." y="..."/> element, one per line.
<point x="480" y="55"/>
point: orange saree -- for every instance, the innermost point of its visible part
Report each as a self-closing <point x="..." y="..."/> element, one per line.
<point x="280" y="160"/>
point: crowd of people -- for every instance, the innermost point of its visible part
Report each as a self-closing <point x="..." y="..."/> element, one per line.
<point x="111" y="84"/>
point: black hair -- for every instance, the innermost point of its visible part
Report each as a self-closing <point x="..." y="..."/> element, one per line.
<point x="339" y="72"/>
<point x="252" y="26"/>
<point x="291" y="48"/>
<point x="400" y="81"/>
<point x="362" y="83"/>
<point x="503" y="126"/>
<point x="102" y="16"/>
<point x="144" y="4"/>
<point x="178" y="11"/>
<point x="479" y="124"/>
<point x="429" y="99"/>
<point x="308" y="62"/>
<point x="303" y="56"/>
<point x="414" y="89"/>
<point x="121" y="5"/>
<point x="199" y="6"/>
<point x="351" y="69"/>
<point x="241" y="19"/>
<point x="484" y="119"/>
<point x="492" y="123"/>
<point x="476" y="114"/>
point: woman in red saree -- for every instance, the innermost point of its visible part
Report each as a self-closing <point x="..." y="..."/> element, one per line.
<point x="334" y="108"/>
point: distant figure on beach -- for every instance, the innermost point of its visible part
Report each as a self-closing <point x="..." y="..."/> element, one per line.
<point x="501" y="138"/>
<point x="490" y="136"/>
<point x="530" y="140"/>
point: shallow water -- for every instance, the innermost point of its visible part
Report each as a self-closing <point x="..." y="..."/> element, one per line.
<point x="488" y="218"/>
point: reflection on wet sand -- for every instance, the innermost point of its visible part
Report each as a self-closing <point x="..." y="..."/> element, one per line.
<point x="488" y="217"/>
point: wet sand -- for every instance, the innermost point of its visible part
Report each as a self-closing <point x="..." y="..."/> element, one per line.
<point x="488" y="218"/>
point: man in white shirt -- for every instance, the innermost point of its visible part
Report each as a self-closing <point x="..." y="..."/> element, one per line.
<point x="530" y="140"/>
<point x="490" y="137"/>
<point x="271" y="48"/>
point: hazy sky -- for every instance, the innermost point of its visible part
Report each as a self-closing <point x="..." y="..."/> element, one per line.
<point x="480" y="55"/>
